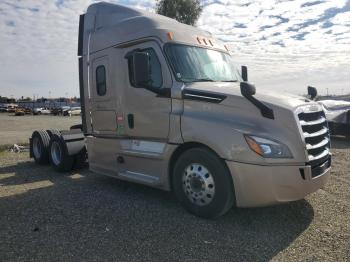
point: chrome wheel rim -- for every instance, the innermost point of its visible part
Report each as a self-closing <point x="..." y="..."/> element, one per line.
<point x="198" y="184"/>
<point x="37" y="149"/>
<point x="56" y="153"/>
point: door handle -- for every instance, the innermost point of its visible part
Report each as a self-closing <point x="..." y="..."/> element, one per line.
<point x="131" y="121"/>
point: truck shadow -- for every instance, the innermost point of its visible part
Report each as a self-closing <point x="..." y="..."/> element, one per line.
<point x="45" y="215"/>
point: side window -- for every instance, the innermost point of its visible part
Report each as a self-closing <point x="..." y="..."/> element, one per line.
<point x="101" y="83"/>
<point x="155" y="69"/>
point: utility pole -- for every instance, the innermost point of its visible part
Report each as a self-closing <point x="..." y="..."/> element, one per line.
<point x="49" y="99"/>
<point x="66" y="100"/>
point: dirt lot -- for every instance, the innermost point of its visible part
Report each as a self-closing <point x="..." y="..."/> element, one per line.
<point x="49" y="216"/>
<point x="17" y="129"/>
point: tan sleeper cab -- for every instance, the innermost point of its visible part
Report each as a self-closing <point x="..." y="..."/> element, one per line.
<point x="164" y="105"/>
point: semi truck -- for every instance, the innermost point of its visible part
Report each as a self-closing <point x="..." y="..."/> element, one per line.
<point x="164" y="105"/>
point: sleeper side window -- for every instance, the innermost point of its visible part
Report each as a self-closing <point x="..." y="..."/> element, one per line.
<point x="155" y="69"/>
<point x="101" y="83"/>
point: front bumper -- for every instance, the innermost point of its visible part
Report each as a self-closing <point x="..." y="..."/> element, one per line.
<point x="257" y="185"/>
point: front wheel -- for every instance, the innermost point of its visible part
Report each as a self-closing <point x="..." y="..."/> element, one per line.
<point x="202" y="183"/>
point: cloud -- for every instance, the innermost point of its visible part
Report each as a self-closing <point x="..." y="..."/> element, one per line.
<point x="286" y="44"/>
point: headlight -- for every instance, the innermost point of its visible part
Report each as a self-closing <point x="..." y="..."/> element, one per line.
<point x="268" y="148"/>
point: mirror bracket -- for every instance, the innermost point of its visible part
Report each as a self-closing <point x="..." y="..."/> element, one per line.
<point x="244" y="70"/>
<point x="248" y="90"/>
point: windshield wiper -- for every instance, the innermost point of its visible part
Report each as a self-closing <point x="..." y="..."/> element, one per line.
<point x="198" y="79"/>
<point x="206" y="80"/>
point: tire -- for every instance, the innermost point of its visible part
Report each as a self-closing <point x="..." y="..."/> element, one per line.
<point x="60" y="160"/>
<point x="200" y="171"/>
<point x="40" y="146"/>
<point x="52" y="132"/>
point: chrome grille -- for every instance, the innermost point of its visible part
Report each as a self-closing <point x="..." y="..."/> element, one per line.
<point x="315" y="132"/>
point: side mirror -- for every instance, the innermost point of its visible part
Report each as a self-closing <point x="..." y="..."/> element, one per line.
<point x="244" y="73"/>
<point x="247" y="89"/>
<point x="141" y="68"/>
<point x="312" y="92"/>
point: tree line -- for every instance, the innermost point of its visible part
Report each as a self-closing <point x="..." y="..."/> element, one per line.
<point x="184" y="11"/>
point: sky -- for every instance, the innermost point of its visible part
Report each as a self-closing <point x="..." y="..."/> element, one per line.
<point x="287" y="45"/>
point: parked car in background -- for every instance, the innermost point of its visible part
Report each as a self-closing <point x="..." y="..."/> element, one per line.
<point x="60" y="111"/>
<point x="74" y="111"/>
<point x="337" y="113"/>
<point x="46" y="111"/>
<point x="37" y="111"/>
<point x="65" y="111"/>
<point x="28" y="111"/>
<point x="19" y="111"/>
<point x="55" y="111"/>
<point x="41" y="111"/>
<point x="11" y="108"/>
<point x="3" y="108"/>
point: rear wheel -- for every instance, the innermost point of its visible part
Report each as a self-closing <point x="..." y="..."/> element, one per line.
<point x="202" y="183"/>
<point x="40" y="146"/>
<point x="52" y="132"/>
<point x="59" y="157"/>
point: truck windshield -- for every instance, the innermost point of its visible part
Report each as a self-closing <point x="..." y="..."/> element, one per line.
<point x="197" y="64"/>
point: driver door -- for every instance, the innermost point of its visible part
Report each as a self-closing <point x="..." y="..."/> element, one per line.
<point x="146" y="112"/>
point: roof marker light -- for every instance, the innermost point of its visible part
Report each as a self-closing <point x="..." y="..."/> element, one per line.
<point x="226" y="47"/>
<point x="199" y="40"/>
<point x="211" y="43"/>
<point x="205" y="41"/>
<point x="170" y="35"/>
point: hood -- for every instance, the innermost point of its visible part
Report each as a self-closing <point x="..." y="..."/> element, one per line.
<point x="234" y="97"/>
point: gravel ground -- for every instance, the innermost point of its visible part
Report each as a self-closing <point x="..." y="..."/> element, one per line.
<point x="48" y="216"/>
<point x="18" y="129"/>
